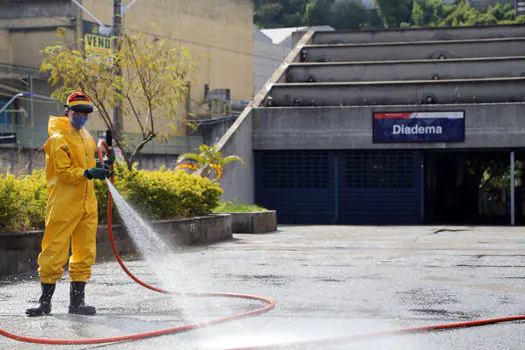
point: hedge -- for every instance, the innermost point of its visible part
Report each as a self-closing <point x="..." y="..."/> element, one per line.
<point x="156" y="195"/>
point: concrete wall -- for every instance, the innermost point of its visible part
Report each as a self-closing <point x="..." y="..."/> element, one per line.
<point x="21" y="161"/>
<point x="406" y="70"/>
<point x="336" y="128"/>
<point x="237" y="181"/>
<point x="19" y="251"/>
<point x="24" y="161"/>
<point x="255" y="222"/>
<point x="35" y="9"/>
<point x="499" y="47"/>
<point x="4" y="46"/>
<point x="267" y="58"/>
<point x="42" y="110"/>
<point x="28" y="37"/>
<point x="418" y="34"/>
<point x="213" y="130"/>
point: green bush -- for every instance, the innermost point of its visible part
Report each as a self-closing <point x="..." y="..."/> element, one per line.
<point x="160" y="194"/>
<point x="23" y="203"/>
<point x="10" y="208"/>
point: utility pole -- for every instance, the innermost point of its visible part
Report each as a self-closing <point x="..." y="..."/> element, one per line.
<point x="117" y="31"/>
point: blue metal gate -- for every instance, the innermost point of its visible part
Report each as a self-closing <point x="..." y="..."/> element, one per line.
<point x="380" y="187"/>
<point x="340" y="187"/>
<point x="298" y="184"/>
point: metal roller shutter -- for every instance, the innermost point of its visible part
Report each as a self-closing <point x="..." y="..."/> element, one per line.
<point x="298" y="184"/>
<point x="380" y="187"/>
<point x="340" y="187"/>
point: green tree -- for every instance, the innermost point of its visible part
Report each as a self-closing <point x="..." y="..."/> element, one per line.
<point x="350" y="14"/>
<point x="394" y="12"/>
<point x="293" y="12"/>
<point x="267" y="15"/>
<point x="275" y="13"/>
<point x="435" y="13"/>
<point x="153" y="85"/>
<point x="418" y="15"/>
<point x="318" y="12"/>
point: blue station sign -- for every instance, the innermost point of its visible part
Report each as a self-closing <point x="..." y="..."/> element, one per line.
<point x="406" y="127"/>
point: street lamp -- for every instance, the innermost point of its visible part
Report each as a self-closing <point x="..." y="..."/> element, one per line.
<point x="20" y="94"/>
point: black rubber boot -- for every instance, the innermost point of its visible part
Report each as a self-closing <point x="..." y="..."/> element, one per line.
<point x="76" y="297"/>
<point x="45" y="301"/>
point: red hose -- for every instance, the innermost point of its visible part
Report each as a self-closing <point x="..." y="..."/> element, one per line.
<point x="361" y="336"/>
<point x="270" y="305"/>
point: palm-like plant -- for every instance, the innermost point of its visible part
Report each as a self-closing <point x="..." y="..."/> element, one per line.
<point x="207" y="160"/>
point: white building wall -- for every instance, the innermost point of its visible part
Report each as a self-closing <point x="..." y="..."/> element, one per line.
<point x="267" y="58"/>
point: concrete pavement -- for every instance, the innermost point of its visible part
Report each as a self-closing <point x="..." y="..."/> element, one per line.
<point x="326" y="280"/>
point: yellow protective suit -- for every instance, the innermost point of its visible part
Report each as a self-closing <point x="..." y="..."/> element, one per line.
<point x="71" y="212"/>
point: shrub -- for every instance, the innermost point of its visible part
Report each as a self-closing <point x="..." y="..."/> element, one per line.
<point x="35" y="194"/>
<point x="10" y="208"/>
<point x="23" y="203"/>
<point x="160" y="194"/>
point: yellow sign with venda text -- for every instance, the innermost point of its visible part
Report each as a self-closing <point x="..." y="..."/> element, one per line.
<point x="98" y="44"/>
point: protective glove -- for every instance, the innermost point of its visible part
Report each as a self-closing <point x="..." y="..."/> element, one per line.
<point x="98" y="173"/>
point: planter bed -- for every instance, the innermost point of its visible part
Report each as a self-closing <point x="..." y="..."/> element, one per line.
<point x="19" y="251"/>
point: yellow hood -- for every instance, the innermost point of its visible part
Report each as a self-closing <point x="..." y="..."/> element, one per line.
<point x="58" y="125"/>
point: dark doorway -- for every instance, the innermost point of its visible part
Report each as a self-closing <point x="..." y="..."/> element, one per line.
<point x="471" y="188"/>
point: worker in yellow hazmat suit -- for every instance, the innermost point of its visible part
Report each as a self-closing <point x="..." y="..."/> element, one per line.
<point x="71" y="212"/>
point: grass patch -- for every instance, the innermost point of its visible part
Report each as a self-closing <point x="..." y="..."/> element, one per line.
<point x="237" y="207"/>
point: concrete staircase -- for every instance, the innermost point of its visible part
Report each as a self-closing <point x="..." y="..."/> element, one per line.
<point x="445" y="66"/>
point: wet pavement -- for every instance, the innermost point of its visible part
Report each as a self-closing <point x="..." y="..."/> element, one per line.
<point x="327" y="281"/>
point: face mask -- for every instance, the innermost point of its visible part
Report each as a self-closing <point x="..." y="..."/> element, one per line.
<point x="78" y="122"/>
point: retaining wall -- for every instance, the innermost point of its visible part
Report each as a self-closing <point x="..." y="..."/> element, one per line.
<point x="254" y="222"/>
<point x="19" y="251"/>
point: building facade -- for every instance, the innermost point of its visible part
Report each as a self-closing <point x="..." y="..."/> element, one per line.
<point x="218" y="35"/>
<point x="401" y="126"/>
